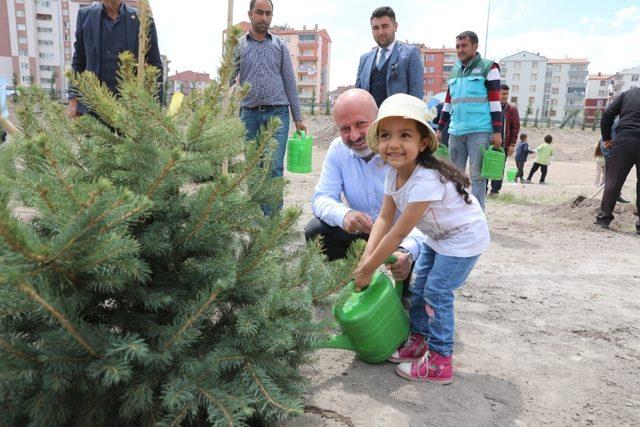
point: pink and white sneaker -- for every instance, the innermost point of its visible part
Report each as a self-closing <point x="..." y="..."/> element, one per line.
<point x="413" y="349"/>
<point x="432" y="367"/>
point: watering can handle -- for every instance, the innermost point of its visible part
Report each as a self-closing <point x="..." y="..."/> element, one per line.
<point x="390" y="260"/>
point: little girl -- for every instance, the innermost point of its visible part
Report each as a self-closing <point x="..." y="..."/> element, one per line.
<point x="433" y="196"/>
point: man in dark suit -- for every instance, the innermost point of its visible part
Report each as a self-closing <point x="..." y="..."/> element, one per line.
<point x="103" y="32"/>
<point x="392" y="67"/>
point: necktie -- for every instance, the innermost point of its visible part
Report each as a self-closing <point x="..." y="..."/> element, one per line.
<point x="382" y="58"/>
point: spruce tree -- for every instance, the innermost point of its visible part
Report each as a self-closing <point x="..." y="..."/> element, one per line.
<point x="146" y="287"/>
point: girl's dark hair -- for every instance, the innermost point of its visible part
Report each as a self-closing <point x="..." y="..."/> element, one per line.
<point x="447" y="171"/>
<point x="548" y="139"/>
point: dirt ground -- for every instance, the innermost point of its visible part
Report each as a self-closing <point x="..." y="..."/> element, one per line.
<point x="547" y="326"/>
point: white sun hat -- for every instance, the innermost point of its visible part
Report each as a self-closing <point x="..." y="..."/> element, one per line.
<point x="407" y="107"/>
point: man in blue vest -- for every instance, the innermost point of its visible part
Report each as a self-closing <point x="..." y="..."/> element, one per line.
<point x="391" y="67"/>
<point x="472" y="109"/>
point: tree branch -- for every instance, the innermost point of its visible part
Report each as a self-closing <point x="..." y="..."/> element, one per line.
<point x="31" y="293"/>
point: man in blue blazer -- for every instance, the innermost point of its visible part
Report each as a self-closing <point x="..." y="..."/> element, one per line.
<point x="392" y="67"/>
<point x="104" y="30"/>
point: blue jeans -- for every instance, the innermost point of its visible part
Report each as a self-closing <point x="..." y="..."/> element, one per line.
<point x="436" y="277"/>
<point x="468" y="146"/>
<point x="253" y="121"/>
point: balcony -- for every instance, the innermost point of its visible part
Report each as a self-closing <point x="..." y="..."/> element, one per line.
<point x="308" y="57"/>
<point x="307" y="83"/>
<point x="306" y="45"/>
<point x="578" y="74"/>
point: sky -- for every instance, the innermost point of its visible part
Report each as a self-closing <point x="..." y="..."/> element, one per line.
<point x="607" y="33"/>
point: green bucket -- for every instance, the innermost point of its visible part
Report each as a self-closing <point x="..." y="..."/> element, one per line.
<point x="511" y="174"/>
<point x="299" y="153"/>
<point x="442" y="152"/>
<point x="492" y="163"/>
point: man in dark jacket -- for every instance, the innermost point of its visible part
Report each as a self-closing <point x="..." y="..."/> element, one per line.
<point x="104" y="30"/>
<point x="510" y="130"/>
<point x="624" y="151"/>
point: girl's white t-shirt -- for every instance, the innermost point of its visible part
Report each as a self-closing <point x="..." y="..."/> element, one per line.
<point x="450" y="225"/>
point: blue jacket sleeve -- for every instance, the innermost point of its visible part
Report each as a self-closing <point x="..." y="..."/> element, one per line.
<point x="79" y="61"/>
<point x="359" y="75"/>
<point x="416" y="74"/>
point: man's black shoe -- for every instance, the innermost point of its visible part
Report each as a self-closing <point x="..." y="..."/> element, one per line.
<point x="638" y="227"/>
<point x="603" y="223"/>
<point x="621" y="200"/>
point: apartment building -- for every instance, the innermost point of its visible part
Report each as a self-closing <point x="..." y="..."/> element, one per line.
<point x="525" y="73"/>
<point x="624" y="80"/>
<point x="597" y="97"/>
<point x="188" y="81"/>
<point x="565" y="87"/>
<point x="310" y="50"/>
<point x="551" y="88"/>
<point x="438" y="64"/>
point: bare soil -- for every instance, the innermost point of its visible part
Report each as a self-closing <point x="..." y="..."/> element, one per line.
<point x="547" y="326"/>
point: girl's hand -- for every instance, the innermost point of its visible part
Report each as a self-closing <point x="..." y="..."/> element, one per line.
<point x="362" y="278"/>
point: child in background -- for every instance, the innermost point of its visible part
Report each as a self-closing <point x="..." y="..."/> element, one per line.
<point x="522" y="153"/>
<point x="545" y="151"/>
<point x="599" y="158"/>
<point x="433" y="196"/>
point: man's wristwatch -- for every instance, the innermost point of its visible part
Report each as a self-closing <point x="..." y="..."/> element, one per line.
<point x="405" y="251"/>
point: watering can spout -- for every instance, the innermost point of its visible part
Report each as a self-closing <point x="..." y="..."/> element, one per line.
<point x="340" y="342"/>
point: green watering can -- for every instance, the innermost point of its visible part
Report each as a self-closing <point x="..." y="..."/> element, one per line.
<point x="373" y="321"/>
<point x="492" y="163"/>
<point x="511" y="174"/>
<point x="442" y="152"/>
<point x="299" y="152"/>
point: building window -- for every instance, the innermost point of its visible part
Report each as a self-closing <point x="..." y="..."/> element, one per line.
<point x="20" y="13"/>
<point x="24" y="66"/>
<point x="635" y="77"/>
<point x="22" y="27"/>
<point x="532" y="88"/>
<point x="447" y="68"/>
<point x="516" y="65"/>
<point x="65" y="12"/>
<point x="552" y="113"/>
<point x="307" y="38"/>
<point x="557" y="68"/>
<point x="43" y="17"/>
<point x="516" y="76"/>
<point x="534" y="65"/>
<point x="45" y="55"/>
<point x="532" y="100"/>
<point x="46" y="80"/>
<point x="22" y="52"/>
<point x="602" y="93"/>
<point x="555" y="91"/>
<point x="603" y="82"/>
<point x="554" y="102"/>
<point x="26" y="79"/>
<point x="534" y="76"/>
<point x="45" y="42"/>
<point x="432" y="69"/>
<point x="515" y="88"/>
<point x="45" y="30"/>
<point x="556" y="79"/>
<point x="22" y="40"/>
<point x="600" y="102"/>
<point x="47" y="67"/>
<point x="514" y="99"/>
<point x="20" y="1"/>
